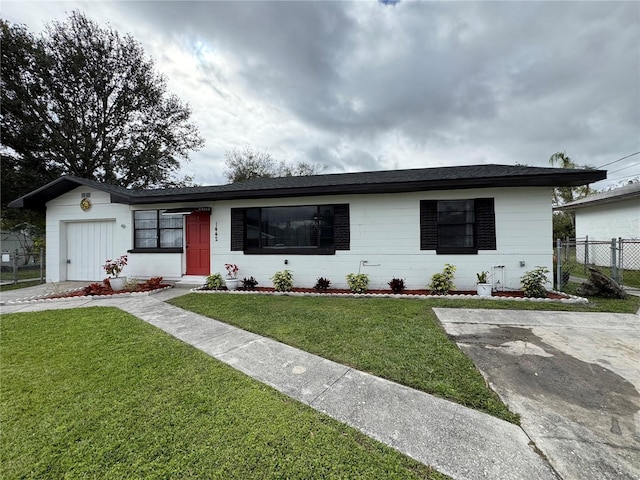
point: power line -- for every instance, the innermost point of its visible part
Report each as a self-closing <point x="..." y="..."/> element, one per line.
<point x="616" y="161"/>
<point x="624" y="168"/>
<point x="617" y="179"/>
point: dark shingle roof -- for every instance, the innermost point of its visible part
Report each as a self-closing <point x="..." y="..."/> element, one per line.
<point x="388" y="181"/>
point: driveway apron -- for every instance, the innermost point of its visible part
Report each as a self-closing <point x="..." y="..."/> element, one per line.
<point x="573" y="377"/>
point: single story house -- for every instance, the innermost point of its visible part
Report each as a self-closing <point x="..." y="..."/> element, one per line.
<point x="389" y="224"/>
<point x="604" y="216"/>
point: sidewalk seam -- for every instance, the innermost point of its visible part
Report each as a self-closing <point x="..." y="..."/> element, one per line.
<point x="328" y="387"/>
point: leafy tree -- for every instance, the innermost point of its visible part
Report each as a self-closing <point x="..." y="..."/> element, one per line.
<point x="251" y="163"/>
<point x="563" y="195"/>
<point x="84" y="100"/>
<point x="564" y="222"/>
<point x="563" y="225"/>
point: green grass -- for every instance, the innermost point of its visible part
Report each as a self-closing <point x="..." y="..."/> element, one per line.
<point x="24" y="273"/>
<point x="16" y="286"/>
<point x="397" y="339"/>
<point x="97" y="393"/>
<point x="400" y="340"/>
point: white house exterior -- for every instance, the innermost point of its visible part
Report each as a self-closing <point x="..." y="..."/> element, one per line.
<point x="614" y="214"/>
<point x="398" y="224"/>
<point x="607" y="215"/>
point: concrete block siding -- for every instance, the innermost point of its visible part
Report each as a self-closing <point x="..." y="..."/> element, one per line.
<point x="385" y="233"/>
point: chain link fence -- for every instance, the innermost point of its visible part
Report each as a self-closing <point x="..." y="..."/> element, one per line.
<point x="20" y="266"/>
<point x="618" y="258"/>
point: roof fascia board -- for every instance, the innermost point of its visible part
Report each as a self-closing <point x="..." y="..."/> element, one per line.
<point x="393" y="187"/>
<point x="39" y="197"/>
<point x="575" y="205"/>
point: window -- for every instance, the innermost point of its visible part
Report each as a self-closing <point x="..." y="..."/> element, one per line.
<point x="155" y="230"/>
<point x="457" y="226"/>
<point x="310" y="229"/>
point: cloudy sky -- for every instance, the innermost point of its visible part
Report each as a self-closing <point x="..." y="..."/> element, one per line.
<point x="372" y="85"/>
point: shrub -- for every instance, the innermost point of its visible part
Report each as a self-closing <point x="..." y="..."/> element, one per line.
<point x="397" y="285"/>
<point x="482" y="277"/>
<point x="442" y="282"/>
<point x="358" y="282"/>
<point x="153" y="282"/>
<point x="322" y="283"/>
<point x="98" y="289"/>
<point x="283" y="281"/>
<point x="533" y="282"/>
<point x="249" y="283"/>
<point x="214" y="282"/>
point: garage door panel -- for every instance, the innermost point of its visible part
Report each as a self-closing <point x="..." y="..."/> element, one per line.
<point x="89" y="245"/>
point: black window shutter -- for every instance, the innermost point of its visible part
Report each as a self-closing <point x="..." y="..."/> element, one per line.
<point x="237" y="229"/>
<point x="485" y="224"/>
<point x="341" y="227"/>
<point x="428" y="224"/>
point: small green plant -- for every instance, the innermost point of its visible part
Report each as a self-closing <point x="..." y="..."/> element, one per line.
<point x="214" y="282"/>
<point x="322" y="284"/>
<point x="249" y="283"/>
<point x="283" y="281"/>
<point x="358" y="282"/>
<point x="397" y="285"/>
<point x="482" y="277"/>
<point x="533" y="282"/>
<point x="442" y="282"/>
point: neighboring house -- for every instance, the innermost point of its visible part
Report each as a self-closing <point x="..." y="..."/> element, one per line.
<point x="607" y="215"/>
<point x="9" y="243"/>
<point x="403" y="223"/>
<point x="604" y="216"/>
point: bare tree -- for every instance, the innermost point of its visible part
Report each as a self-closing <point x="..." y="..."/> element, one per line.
<point x="247" y="163"/>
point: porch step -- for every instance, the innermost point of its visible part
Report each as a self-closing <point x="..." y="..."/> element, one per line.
<point x="191" y="281"/>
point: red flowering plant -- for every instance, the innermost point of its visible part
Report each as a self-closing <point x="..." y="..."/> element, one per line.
<point x="114" y="267"/>
<point x="232" y="270"/>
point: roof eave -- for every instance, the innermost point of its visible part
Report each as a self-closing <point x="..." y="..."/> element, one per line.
<point x="38" y="199"/>
<point x="570" y="179"/>
<point x="582" y="203"/>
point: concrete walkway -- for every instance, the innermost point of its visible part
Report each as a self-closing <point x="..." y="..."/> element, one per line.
<point x="458" y="441"/>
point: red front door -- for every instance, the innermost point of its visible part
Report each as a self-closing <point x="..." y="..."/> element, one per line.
<point x="198" y="243"/>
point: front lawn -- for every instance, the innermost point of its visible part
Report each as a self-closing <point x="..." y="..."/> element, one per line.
<point x="97" y="393"/>
<point x="397" y="339"/>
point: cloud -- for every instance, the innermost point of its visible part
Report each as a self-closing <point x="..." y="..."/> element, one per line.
<point x="368" y="85"/>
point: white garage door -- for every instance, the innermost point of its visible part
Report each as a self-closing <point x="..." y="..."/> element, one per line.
<point x="89" y="245"/>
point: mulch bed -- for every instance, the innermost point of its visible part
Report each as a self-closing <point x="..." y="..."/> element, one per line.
<point x="104" y="288"/>
<point x="507" y="294"/>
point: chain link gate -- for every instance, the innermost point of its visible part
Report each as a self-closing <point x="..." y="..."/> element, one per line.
<point x="617" y="258"/>
<point x="22" y="266"/>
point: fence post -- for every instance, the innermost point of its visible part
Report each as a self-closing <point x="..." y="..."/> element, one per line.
<point x="558" y="265"/>
<point x="41" y="265"/>
<point x="614" y="261"/>
<point x="586" y="252"/>
<point x="620" y="278"/>
<point x="15" y="266"/>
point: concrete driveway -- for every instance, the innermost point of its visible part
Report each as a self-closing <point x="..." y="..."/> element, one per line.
<point x="573" y="377"/>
